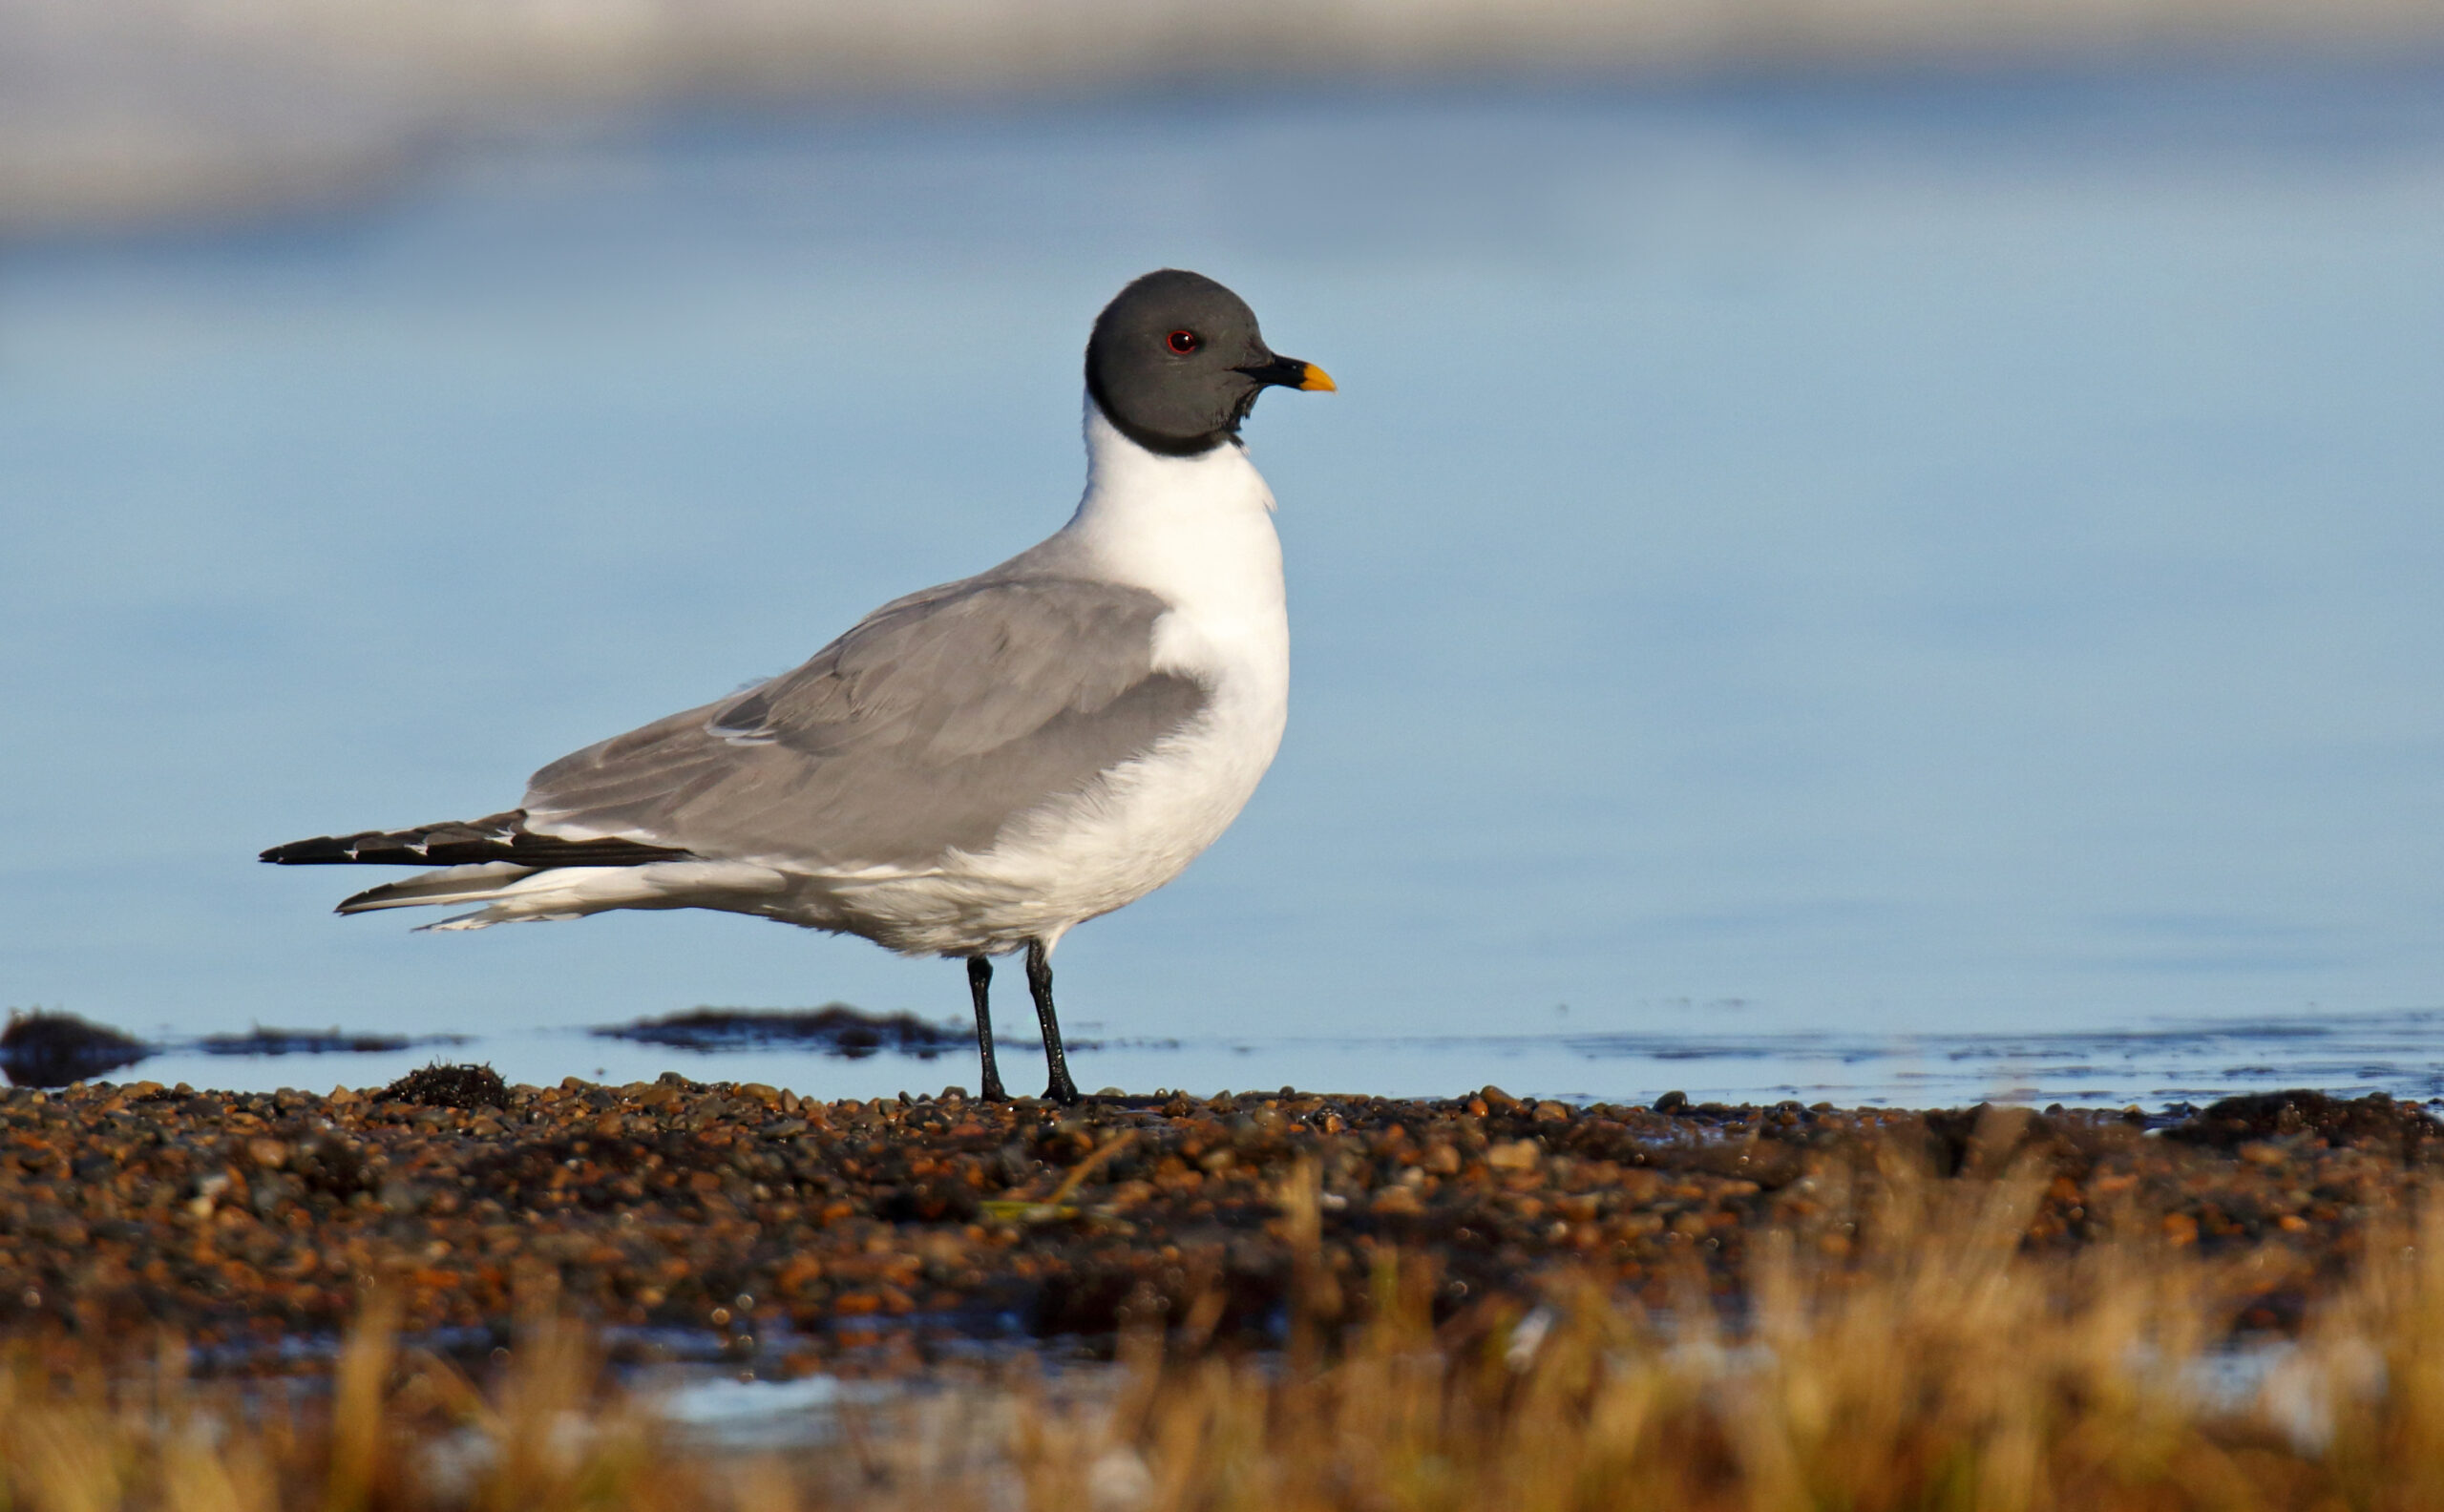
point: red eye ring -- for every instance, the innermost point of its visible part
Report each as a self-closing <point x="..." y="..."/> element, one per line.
<point x="1183" y="342"/>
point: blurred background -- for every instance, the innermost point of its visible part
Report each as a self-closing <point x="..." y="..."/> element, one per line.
<point x="1877" y="547"/>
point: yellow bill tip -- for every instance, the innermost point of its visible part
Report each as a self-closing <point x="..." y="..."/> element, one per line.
<point x="1317" y="381"/>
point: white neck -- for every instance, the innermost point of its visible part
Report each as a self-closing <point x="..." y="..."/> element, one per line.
<point x="1196" y="530"/>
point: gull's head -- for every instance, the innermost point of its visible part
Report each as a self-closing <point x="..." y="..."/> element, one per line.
<point x="1176" y="363"/>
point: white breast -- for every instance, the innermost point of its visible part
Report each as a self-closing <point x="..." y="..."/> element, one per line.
<point x="1197" y="532"/>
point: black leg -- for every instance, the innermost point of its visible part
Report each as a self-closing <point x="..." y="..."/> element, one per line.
<point x="1040" y="984"/>
<point x="980" y="986"/>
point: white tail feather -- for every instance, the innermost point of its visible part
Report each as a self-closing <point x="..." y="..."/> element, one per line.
<point x="475" y="882"/>
<point x="517" y="893"/>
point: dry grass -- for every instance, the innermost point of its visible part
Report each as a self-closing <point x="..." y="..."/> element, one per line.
<point x="1937" y="1364"/>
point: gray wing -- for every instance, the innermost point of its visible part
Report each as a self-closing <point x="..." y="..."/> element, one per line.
<point x="934" y="722"/>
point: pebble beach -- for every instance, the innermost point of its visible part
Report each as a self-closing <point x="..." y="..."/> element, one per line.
<point x="795" y="1236"/>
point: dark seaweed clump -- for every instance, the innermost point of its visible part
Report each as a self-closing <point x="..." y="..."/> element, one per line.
<point x="2340" y="1123"/>
<point x="835" y="1028"/>
<point x="450" y="1086"/>
<point x="54" y="1049"/>
<point x="260" y="1041"/>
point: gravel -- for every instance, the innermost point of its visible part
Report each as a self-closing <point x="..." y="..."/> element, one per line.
<point x="911" y="1226"/>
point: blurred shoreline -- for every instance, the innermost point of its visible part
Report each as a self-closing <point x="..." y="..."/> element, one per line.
<point x="134" y="113"/>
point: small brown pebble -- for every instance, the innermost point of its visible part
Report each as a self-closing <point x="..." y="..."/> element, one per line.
<point x="1514" y="1155"/>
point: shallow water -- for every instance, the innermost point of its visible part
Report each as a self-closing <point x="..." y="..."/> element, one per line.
<point x="1808" y="588"/>
<point x="2398" y="1053"/>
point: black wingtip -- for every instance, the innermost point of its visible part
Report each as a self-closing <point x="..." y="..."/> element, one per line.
<point x="494" y="837"/>
<point x="443" y="843"/>
<point x="297" y="853"/>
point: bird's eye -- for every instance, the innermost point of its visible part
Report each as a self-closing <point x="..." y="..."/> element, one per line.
<point x="1184" y="342"/>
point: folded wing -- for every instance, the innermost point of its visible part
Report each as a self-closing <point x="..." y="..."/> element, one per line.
<point x="928" y="728"/>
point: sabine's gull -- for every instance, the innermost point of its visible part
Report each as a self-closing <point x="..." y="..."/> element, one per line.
<point x="975" y="768"/>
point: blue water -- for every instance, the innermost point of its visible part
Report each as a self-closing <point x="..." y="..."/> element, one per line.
<point x="2152" y="1065"/>
<point x="1872" y="558"/>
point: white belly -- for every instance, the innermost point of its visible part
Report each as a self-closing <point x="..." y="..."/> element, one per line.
<point x="1076" y="858"/>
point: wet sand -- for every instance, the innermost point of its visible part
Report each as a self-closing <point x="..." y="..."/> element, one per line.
<point x="801" y="1235"/>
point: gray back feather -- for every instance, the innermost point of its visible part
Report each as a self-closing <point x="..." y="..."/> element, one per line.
<point x="932" y="724"/>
